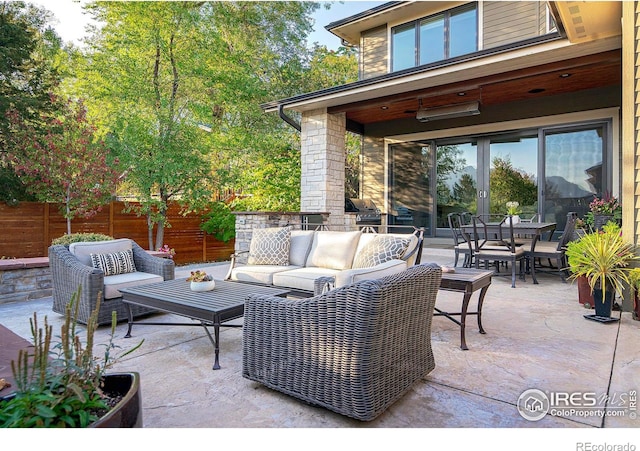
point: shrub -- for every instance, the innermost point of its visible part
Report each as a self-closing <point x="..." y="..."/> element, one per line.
<point x="79" y="237"/>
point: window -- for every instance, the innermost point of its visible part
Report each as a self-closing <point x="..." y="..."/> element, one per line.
<point x="435" y="38"/>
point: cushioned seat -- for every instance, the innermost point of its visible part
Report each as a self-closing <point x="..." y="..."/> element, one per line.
<point x="112" y="284"/>
<point x="101" y="268"/>
<point x="338" y="258"/>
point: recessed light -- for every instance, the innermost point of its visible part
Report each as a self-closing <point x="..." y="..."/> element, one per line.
<point x="462" y="94"/>
<point x="537" y="91"/>
<point x="567" y="75"/>
<point x="384" y="107"/>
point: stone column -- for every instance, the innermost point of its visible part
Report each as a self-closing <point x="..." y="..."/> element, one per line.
<point x="323" y="160"/>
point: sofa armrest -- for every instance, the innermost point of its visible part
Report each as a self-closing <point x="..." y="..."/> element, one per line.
<point x="145" y="262"/>
<point x="234" y="260"/>
<point x="350" y="276"/>
<point x="68" y="274"/>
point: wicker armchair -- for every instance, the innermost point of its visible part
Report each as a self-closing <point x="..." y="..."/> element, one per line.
<point x="354" y="350"/>
<point x="68" y="273"/>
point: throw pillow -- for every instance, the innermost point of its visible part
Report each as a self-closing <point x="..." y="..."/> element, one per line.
<point x="381" y="249"/>
<point x="114" y="263"/>
<point x="270" y="246"/>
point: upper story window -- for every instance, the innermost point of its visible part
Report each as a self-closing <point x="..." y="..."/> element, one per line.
<point x="434" y="38"/>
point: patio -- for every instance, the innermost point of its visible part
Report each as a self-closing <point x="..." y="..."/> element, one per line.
<point x="536" y="338"/>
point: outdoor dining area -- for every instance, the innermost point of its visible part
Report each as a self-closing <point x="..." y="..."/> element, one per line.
<point x="509" y="240"/>
<point x="535" y="338"/>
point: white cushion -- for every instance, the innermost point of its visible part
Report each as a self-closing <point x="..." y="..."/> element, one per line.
<point x="334" y="250"/>
<point x="84" y="249"/>
<point x="258" y="273"/>
<point x="301" y="278"/>
<point x="114" y="262"/>
<point x="112" y="284"/>
<point x="381" y="249"/>
<point x="351" y="276"/>
<point x="413" y="242"/>
<point x="270" y="246"/>
<point x="301" y="241"/>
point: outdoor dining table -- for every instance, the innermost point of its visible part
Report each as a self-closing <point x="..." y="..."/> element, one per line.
<point x="534" y="229"/>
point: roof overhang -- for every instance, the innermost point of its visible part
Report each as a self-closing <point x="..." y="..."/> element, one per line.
<point x="587" y="21"/>
<point x="554" y="51"/>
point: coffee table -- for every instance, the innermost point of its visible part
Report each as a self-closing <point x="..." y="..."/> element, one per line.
<point x="210" y="308"/>
<point x="467" y="281"/>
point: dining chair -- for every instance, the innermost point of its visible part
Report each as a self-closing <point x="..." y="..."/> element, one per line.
<point x="461" y="240"/>
<point x="503" y="249"/>
<point x="552" y="251"/>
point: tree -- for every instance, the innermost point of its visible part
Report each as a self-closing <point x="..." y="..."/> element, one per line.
<point x="177" y="87"/>
<point x="464" y="191"/>
<point x="66" y="164"/>
<point x="510" y="184"/>
<point x="28" y="47"/>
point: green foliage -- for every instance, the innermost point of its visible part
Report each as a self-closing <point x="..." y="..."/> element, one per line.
<point x="510" y="184"/>
<point x="65" y="164"/>
<point x="220" y="222"/>
<point x="603" y="257"/>
<point x="28" y="75"/>
<point x="80" y="237"/>
<point x="60" y="384"/>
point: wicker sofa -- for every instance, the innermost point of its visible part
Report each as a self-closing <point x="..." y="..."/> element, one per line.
<point x="71" y="268"/>
<point x="354" y="350"/>
<point x="308" y="258"/>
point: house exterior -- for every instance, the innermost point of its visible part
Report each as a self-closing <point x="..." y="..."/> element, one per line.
<point x="452" y="94"/>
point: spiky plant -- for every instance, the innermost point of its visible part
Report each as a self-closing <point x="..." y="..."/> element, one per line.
<point x="59" y="384"/>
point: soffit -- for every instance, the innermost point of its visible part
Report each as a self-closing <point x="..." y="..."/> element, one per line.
<point x="570" y="75"/>
<point x="585" y="21"/>
<point x="520" y="64"/>
<point x="350" y="28"/>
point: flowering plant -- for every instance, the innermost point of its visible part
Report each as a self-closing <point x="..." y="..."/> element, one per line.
<point x="167" y="250"/>
<point x="607" y="205"/>
<point x="512" y="208"/>
<point x="199" y="276"/>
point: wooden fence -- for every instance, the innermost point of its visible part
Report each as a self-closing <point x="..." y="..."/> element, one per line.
<point x="26" y="230"/>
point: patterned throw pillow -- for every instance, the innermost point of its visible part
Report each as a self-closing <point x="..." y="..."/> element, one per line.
<point x="380" y="249"/>
<point x="114" y="263"/>
<point x="270" y="246"/>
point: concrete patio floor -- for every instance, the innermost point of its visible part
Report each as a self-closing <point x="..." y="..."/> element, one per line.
<point x="537" y="338"/>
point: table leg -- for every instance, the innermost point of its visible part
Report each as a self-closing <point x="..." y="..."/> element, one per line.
<point x="463" y="320"/>
<point x="129" y="321"/>
<point x="483" y="291"/>
<point x="215" y="340"/>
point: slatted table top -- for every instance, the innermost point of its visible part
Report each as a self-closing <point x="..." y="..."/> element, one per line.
<point x="175" y="296"/>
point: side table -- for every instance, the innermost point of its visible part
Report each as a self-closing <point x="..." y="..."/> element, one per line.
<point x="467" y="281"/>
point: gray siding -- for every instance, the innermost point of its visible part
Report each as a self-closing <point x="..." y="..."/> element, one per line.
<point x="507" y="22"/>
<point x="373" y="53"/>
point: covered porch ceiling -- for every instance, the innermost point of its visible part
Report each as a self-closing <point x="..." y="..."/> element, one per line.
<point x="561" y="77"/>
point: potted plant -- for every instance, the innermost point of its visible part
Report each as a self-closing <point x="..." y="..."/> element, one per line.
<point x="634" y="285"/>
<point x="603" y="258"/>
<point x="201" y="281"/>
<point x="603" y="210"/>
<point x="513" y="210"/>
<point x="63" y="384"/>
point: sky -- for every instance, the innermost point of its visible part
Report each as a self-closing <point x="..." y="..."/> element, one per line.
<point x="71" y="21"/>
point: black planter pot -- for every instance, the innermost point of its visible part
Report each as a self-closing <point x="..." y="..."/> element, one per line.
<point x="600" y="220"/>
<point x="603" y="307"/>
<point x="128" y="412"/>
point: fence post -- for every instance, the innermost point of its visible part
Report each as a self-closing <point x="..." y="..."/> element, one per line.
<point x="45" y="225"/>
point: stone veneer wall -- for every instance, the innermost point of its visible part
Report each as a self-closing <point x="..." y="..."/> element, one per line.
<point x="24" y="279"/>
<point x="323" y="157"/>
<point x="247" y="221"/>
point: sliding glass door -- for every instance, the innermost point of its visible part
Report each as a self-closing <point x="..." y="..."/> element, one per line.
<point x="430" y="179"/>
